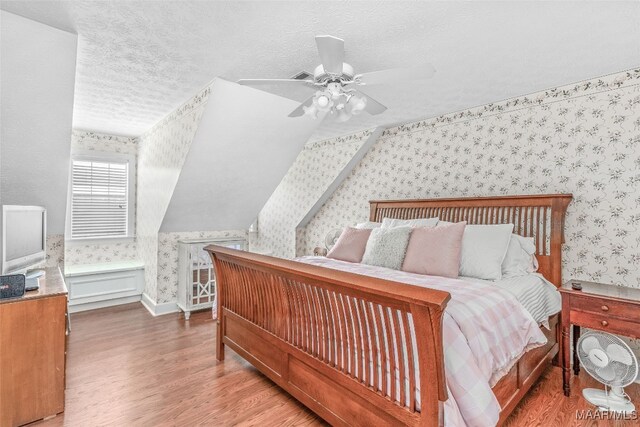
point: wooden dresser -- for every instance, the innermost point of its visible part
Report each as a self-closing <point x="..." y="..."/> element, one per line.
<point x="608" y="308"/>
<point x="32" y="352"/>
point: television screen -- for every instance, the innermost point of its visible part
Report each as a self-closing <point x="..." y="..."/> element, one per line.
<point x="24" y="237"/>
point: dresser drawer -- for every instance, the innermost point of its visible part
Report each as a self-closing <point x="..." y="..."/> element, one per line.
<point x="604" y="322"/>
<point x="606" y="307"/>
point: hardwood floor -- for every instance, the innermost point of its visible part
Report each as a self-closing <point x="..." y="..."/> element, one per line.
<point x="126" y="367"/>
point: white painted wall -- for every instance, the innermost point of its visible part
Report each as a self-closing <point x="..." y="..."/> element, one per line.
<point x="243" y="147"/>
<point x="37" y="76"/>
<point x="37" y="88"/>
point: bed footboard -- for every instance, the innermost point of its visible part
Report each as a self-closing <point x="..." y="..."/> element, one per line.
<point x="347" y="346"/>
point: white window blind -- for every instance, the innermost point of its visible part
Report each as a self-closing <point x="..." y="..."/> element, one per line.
<point x="99" y="199"/>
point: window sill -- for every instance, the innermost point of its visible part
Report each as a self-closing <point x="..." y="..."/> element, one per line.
<point x="102" y="268"/>
<point x="99" y="241"/>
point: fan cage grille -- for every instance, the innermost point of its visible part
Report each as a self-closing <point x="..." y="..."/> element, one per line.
<point x="623" y="374"/>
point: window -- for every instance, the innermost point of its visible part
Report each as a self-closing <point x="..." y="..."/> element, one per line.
<point x="100" y="199"/>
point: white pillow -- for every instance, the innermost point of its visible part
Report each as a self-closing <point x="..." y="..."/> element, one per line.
<point x="368" y="225"/>
<point x="413" y="223"/>
<point x="483" y="250"/>
<point x="520" y="259"/>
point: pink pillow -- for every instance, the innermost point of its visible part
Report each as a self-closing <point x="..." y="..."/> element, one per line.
<point x="350" y="245"/>
<point x="435" y="251"/>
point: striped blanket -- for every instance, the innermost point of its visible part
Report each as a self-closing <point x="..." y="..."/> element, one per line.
<point x="485" y="331"/>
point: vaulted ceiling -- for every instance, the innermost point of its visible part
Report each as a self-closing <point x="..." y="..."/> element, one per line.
<point x="139" y="60"/>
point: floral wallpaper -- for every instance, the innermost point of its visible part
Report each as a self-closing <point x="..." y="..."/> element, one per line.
<point x="94" y="141"/>
<point x="168" y="258"/>
<point x="76" y="253"/>
<point x="582" y="139"/>
<point x="94" y="253"/>
<point x="315" y="168"/>
<point x="161" y="154"/>
<point x="55" y="251"/>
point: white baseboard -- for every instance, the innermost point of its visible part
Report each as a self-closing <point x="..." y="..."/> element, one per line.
<point x="76" y="308"/>
<point x="158" y="309"/>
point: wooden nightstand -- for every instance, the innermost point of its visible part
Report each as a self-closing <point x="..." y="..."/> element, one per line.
<point x="613" y="309"/>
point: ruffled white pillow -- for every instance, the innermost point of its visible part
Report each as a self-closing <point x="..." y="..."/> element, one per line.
<point x="520" y="259"/>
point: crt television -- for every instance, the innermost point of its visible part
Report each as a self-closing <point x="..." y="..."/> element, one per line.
<point x="24" y="234"/>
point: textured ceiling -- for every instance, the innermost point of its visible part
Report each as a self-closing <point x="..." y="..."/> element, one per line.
<point x="139" y="60"/>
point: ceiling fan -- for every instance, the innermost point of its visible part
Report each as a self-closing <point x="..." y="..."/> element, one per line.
<point x="338" y="86"/>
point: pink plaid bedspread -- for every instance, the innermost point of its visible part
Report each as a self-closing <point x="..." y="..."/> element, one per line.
<point x="485" y="331"/>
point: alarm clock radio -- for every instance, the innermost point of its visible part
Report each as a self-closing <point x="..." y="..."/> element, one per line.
<point x="12" y="286"/>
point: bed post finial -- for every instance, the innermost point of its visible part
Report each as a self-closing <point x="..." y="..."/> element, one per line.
<point x="373" y="207"/>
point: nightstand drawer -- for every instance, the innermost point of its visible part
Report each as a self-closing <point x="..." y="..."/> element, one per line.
<point x="604" y="322"/>
<point x="606" y="307"/>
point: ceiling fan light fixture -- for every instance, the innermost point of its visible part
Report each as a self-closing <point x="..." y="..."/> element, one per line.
<point x="338" y="83"/>
<point x="311" y="111"/>
<point x="357" y="104"/>
<point x="323" y="101"/>
<point x="340" y="103"/>
<point x="342" y="115"/>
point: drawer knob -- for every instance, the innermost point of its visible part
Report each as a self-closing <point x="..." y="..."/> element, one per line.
<point x="604" y="308"/>
<point x="604" y="323"/>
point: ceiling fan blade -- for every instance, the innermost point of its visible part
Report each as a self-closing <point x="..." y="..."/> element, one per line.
<point x="420" y="72"/>
<point x="331" y="50"/>
<point x="373" y="107"/>
<point x="264" y="82"/>
<point x="300" y="110"/>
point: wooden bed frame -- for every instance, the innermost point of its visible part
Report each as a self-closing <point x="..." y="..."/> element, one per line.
<point x="300" y="324"/>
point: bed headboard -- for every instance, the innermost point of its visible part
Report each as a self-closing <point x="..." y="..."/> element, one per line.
<point x="537" y="216"/>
